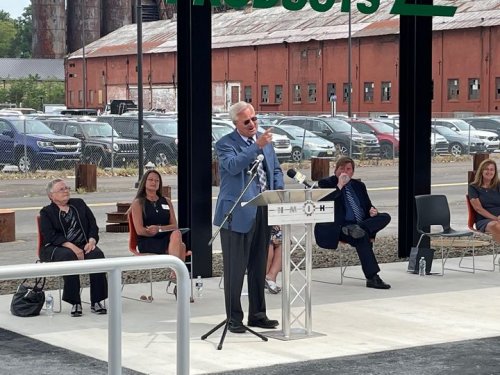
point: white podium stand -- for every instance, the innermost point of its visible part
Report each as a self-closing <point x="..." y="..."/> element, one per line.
<point x="287" y="208"/>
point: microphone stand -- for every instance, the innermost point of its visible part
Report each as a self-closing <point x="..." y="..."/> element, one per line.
<point x="228" y="218"/>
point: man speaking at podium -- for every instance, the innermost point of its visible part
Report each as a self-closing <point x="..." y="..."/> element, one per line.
<point x="245" y="235"/>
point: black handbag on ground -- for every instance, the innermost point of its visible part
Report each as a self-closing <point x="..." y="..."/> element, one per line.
<point x="28" y="300"/>
<point x="416" y="254"/>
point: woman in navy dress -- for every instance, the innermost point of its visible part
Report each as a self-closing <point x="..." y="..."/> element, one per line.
<point x="154" y="219"/>
<point x="484" y="195"/>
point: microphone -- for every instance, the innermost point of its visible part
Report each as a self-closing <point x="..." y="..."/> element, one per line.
<point x="299" y="177"/>
<point x="256" y="163"/>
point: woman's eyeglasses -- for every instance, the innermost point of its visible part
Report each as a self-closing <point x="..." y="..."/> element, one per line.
<point x="247" y="122"/>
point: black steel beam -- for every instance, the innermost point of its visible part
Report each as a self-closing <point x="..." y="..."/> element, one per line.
<point x="194" y="44"/>
<point x="415" y="96"/>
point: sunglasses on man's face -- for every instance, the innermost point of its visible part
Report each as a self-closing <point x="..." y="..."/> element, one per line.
<point x="247" y="122"/>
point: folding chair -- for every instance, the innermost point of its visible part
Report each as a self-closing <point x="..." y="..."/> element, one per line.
<point x="471" y="224"/>
<point x="321" y="231"/>
<point x="38" y="249"/>
<point x="132" y="246"/>
<point x="433" y="210"/>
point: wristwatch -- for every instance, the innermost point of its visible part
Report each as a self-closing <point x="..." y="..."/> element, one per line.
<point x="159" y="229"/>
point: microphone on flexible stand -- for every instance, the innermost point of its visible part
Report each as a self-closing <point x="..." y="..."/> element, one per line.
<point x="300" y="178"/>
<point x="256" y="163"/>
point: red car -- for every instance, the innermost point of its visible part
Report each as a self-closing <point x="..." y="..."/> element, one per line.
<point x="387" y="136"/>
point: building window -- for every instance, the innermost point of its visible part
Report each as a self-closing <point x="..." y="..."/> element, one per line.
<point x="311" y="92"/>
<point x="91" y="97"/>
<point x="474" y="88"/>
<point x="497" y="88"/>
<point x="278" y="93"/>
<point x="368" y="92"/>
<point x="453" y="89"/>
<point x="345" y="95"/>
<point x="248" y="94"/>
<point x="71" y="97"/>
<point x="264" y="94"/>
<point x="80" y="96"/>
<point x="296" y="94"/>
<point x="386" y="91"/>
<point x="331" y="91"/>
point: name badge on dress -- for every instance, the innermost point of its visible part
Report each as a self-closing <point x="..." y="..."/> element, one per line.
<point x="164" y="206"/>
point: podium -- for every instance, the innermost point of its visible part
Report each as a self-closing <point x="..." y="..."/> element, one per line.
<point x="287" y="208"/>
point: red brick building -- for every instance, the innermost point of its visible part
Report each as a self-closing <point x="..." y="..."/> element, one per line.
<point x="294" y="62"/>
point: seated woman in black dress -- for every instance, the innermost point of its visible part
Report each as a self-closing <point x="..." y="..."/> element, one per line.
<point x="484" y="195"/>
<point x="154" y="219"/>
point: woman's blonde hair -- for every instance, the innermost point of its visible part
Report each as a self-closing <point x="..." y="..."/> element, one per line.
<point x="478" y="179"/>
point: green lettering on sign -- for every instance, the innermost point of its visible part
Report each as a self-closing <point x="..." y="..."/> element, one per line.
<point x="400" y="7"/>
<point x="293" y="4"/>
<point x="319" y="7"/>
<point x="404" y="9"/>
<point x="263" y="4"/>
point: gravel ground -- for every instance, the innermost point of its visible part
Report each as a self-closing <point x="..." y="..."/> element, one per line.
<point x="385" y="251"/>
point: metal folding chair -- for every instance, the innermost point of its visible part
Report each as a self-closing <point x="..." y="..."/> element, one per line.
<point x="132" y="246"/>
<point x="433" y="210"/>
<point x="38" y="249"/>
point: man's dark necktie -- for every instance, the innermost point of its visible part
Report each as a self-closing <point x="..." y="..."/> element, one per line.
<point x="260" y="171"/>
<point x="349" y="193"/>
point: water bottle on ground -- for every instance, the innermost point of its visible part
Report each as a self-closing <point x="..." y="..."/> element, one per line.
<point x="49" y="305"/>
<point x="199" y="287"/>
<point x="422" y="267"/>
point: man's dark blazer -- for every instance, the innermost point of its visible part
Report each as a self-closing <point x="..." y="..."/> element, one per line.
<point x="327" y="234"/>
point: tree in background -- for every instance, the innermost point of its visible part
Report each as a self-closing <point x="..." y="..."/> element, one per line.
<point x="32" y="93"/>
<point x="8" y="32"/>
<point x="24" y="35"/>
<point x="16" y="35"/>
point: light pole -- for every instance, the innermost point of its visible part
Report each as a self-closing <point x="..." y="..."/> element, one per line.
<point x="140" y="106"/>
<point x="349" y="58"/>
<point x="84" y="62"/>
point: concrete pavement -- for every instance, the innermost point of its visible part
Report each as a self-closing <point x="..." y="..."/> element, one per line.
<point x="352" y="320"/>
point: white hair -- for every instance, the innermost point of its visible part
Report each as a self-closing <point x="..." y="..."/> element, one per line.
<point x="236" y="109"/>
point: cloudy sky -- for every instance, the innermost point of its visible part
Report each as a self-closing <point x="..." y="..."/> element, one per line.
<point x="14" y="7"/>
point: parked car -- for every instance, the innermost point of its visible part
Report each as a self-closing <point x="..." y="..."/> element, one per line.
<point x="305" y="144"/>
<point x="387" y="136"/>
<point x="339" y="132"/>
<point x="490" y="139"/>
<point x="100" y="142"/>
<point x="281" y="144"/>
<point x="31" y="145"/>
<point x="439" y="144"/>
<point x="218" y="131"/>
<point x="160" y="135"/>
<point x="459" y="143"/>
<point x="488" y="123"/>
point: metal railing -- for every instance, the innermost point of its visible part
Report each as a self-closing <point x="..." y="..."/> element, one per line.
<point x="114" y="268"/>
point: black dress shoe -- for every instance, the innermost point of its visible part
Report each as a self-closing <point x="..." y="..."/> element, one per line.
<point x="236" y="327"/>
<point x="76" y="310"/>
<point x="263" y="323"/>
<point x="354" y="231"/>
<point x="377" y="283"/>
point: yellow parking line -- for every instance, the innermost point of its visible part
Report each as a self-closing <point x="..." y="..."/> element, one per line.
<point x="387" y="188"/>
<point x="90" y="205"/>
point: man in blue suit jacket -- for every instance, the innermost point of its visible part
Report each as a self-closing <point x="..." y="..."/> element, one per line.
<point x="357" y="221"/>
<point x="245" y="237"/>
